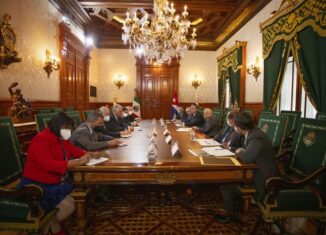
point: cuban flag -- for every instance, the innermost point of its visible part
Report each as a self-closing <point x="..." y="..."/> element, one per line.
<point x="174" y="108"/>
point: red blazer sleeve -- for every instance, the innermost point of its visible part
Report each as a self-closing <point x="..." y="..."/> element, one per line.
<point x="75" y="152"/>
<point x="43" y="155"/>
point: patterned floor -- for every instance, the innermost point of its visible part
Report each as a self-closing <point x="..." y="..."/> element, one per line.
<point x="142" y="210"/>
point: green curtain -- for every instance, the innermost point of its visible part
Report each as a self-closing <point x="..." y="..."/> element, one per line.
<point x="234" y="78"/>
<point x="274" y="67"/>
<point x="311" y="53"/>
<point x="221" y="90"/>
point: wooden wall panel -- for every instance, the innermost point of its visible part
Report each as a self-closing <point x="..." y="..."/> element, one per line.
<point x="256" y="107"/>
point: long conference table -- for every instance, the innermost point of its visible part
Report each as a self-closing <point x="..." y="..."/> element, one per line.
<point x="130" y="165"/>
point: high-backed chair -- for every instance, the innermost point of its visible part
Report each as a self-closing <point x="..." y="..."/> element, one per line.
<point x="217" y="112"/>
<point x="293" y="120"/>
<point x="20" y="209"/>
<point x="42" y="120"/>
<point x="75" y="115"/>
<point x="302" y="191"/>
<point x="69" y="109"/>
<point x="247" y="111"/>
<point x="274" y="126"/>
<point x="57" y="109"/>
<point x="321" y="115"/>
<point x="44" y="110"/>
<point x="86" y="113"/>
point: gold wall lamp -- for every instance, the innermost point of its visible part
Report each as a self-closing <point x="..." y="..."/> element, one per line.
<point x="119" y="81"/>
<point x="195" y="82"/>
<point x="254" y="69"/>
<point x="51" y="63"/>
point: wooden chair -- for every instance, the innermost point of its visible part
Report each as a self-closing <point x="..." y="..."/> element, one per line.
<point x="248" y="111"/>
<point x="218" y="115"/>
<point x="75" y="115"/>
<point x="86" y="113"/>
<point x="20" y="209"/>
<point x="321" y="115"/>
<point x="57" y="109"/>
<point x="302" y="191"/>
<point x="42" y="120"/>
<point x="293" y="120"/>
<point x="274" y="126"/>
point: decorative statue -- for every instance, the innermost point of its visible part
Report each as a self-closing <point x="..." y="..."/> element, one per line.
<point x="21" y="109"/>
<point x="8" y="54"/>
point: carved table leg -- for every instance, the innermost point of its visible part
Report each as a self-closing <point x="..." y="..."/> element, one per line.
<point x="247" y="194"/>
<point x="80" y="196"/>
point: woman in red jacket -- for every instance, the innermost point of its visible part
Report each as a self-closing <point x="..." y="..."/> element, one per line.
<point x="48" y="159"/>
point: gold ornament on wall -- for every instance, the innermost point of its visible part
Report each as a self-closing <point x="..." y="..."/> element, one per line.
<point x="254" y="69"/>
<point x="8" y="54"/>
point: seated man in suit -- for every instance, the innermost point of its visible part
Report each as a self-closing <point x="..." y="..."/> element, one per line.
<point x="210" y="126"/>
<point x="105" y="111"/>
<point x="116" y="122"/>
<point x="195" y="118"/>
<point x="85" y="137"/>
<point x="258" y="149"/>
<point x="228" y="137"/>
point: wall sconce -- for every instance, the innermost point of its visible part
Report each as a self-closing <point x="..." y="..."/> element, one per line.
<point x="119" y="81"/>
<point x="254" y="69"/>
<point x="195" y="82"/>
<point x="51" y="63"/>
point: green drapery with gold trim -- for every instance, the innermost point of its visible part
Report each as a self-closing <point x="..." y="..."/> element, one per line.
<point x="290" y="28"/>
<point x="310" y="52"/>
<point x="229" y="66"/>
<point x="274" y="67"/>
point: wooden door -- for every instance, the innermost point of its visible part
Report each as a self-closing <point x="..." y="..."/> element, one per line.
<point x="80" y="83"/>
<point x="156" y="84"/>
<point x="68" y="84"/>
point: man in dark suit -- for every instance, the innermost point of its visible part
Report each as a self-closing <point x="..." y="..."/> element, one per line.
<point x="210" y="126"/>
<point x="85" y="137"/>
<point x="228" y="137"/>
<point x="195" y="118"/>
<point x="105" y="111"/>
<point x="116" y="122"/>
<point x="258" y="149"/>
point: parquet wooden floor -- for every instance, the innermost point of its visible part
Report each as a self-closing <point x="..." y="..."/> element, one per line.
<point x="142" y="211"/>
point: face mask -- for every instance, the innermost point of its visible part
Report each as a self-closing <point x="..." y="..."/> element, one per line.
<point x="125" y="114"/>
<point x="65" y="133"/>
<point x="130" y="112"/>
<point x="107" y="118"/>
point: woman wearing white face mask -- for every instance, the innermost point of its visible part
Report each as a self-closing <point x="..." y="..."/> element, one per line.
<point x="48" y="160"/>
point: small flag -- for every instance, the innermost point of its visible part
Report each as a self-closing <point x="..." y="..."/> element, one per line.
<point x="136" y="105"/>
<point x="174" y="108"/>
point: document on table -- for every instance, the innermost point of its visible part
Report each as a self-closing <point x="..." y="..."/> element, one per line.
<point x="208" y="142"/>
<point x="184" y="129"/>
<point x="198" y="152"/>
<point x="178" y="125"/>
<point x="125" y="135"/>
<point x="218" y="151"/>
<point x="94" y="161"/>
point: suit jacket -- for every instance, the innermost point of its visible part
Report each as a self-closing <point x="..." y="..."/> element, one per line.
<point x="116" y="124"/>
<point x="88" y="139"/>
<point x="235" y="139"/>
<point x="259" y="150"/>
<point x="195" y="119"/>
<point x="210" y="127"/>
<point x="182" y="116"/>
<point x="104" y="130"/>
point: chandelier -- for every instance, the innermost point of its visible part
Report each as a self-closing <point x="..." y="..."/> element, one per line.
<point x="162" y="38"/>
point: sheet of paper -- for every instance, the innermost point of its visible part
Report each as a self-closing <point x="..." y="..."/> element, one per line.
<point x="218" y="151"/>
<point x="184" y="129"/>
<point x="166" y="132"/>
<point x="94" y="161"/>
<point x="125" y="136"/>
<point x="198" y="152"/>
<point x="122" y="144"/>
<point x="208" y="142"/>
<point x="178" y="125"/>
<point x="137" y="128"/>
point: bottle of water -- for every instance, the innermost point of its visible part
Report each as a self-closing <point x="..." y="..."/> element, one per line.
<point x="192" y="135"/>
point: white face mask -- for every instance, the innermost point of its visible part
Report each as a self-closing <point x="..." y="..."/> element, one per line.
<point x="65" y="133"/>
<point x="125" y="114"/>
<point x="130" y="112"/>
<point x="107" y="118"/>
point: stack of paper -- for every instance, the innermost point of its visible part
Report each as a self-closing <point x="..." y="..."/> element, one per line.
<point x="94" y="161"/>
<point x="125" y="136"/>
<point x="208" y="142"/>
<point x="218" y="152"/>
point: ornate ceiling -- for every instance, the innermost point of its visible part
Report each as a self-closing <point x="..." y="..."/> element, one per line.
<point x="215" y="20"/>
